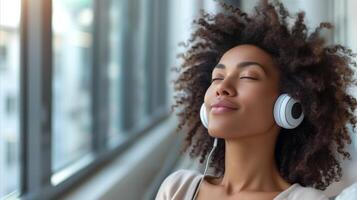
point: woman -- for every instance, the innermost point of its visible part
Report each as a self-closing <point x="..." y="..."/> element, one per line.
<point x="275" y="99"/>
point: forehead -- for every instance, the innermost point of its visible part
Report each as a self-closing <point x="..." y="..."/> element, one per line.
<point x="247" y="53"/>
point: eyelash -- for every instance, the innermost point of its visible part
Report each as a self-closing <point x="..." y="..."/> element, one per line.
<point x="240" y="78"/>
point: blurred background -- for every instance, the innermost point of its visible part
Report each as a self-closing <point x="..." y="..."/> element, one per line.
<point x="85" y="93"/>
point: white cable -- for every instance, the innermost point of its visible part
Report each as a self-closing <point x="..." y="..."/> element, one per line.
<point x="207" y="162"/>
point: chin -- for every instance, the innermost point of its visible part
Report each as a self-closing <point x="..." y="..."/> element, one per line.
<point x="220" y="132"/>
<point x="229" y="132"/>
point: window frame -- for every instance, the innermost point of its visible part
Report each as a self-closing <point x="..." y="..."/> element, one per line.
<point x="35" y="135"/>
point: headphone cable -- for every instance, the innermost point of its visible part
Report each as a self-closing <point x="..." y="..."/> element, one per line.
<point x="207" y="162"/>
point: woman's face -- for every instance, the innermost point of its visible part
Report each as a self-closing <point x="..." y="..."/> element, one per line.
<point x="247" y="79"/>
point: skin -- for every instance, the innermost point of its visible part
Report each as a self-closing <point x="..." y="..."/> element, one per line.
<point x="250" y="132"/>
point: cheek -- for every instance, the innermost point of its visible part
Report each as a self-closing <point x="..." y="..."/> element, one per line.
<point x="208" y="95"/>
<point x="258" y="104"/>
<point x="261" y="98"/>
<point x="264" y="92"/>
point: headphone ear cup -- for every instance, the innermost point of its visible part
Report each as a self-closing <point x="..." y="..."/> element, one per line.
<point x="203" y="115"/>
<point x="288" y="112"/>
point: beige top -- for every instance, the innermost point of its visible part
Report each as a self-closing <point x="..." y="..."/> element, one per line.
<point x="181" y="185"/>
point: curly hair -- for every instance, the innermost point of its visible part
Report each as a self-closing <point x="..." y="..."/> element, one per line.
<point x="312" y="72"/>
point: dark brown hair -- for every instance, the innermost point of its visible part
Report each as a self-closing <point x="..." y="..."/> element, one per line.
<point x="311" y="71"/>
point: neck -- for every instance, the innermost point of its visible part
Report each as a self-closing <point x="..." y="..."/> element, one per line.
<point x="250" y="164"/>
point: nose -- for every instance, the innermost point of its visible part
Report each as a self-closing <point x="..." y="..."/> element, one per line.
<point x="225" y="87"/>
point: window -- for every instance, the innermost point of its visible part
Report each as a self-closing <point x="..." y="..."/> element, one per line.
<point x="71" y="85"/>
<point x="10" y="108"/>
<point x="9" y="97"/>
<point x="3" y="53"/>
<point x="114" y="73"/>
<point x="73" y="89"/>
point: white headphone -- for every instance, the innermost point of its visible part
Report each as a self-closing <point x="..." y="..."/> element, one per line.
<point x="288" y="112"/>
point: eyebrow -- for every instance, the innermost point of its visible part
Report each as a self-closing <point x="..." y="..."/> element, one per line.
<point x="242" y="65"/>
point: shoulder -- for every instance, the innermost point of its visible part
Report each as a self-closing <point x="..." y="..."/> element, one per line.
<point x="348" y="193"/>
<point x="177" y="184"/>
<point x="301" y="192"/>
<point x="178" y="179"/>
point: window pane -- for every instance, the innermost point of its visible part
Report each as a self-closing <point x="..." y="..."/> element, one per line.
<point x="9" y="96"/>
<point x="72" y="42"/>
<point x="114" y="72"/>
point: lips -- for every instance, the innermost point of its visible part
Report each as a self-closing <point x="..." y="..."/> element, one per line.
<point x="221" y="103"/>
<point x="221" y="106"/>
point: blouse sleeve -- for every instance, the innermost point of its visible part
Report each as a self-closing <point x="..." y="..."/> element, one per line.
<point x="349" y="193"/>
<point x="308" y="193"/>
<point x="165" y="190"/>
<point x="176" y="185"/>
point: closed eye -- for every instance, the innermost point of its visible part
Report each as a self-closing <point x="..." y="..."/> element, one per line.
<point x="247" y="77"/>
<point x="215" y="79"/>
